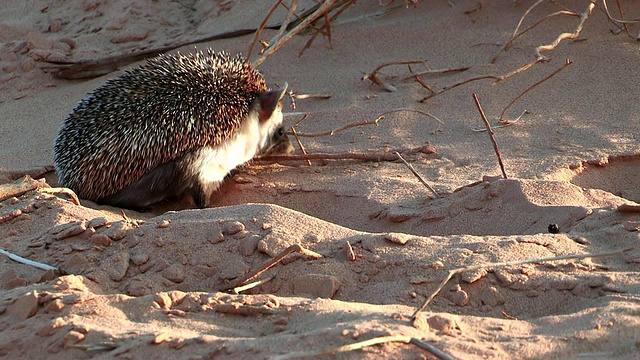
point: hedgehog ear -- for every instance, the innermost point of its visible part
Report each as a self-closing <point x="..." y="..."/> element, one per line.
<point x="269" y="101"/>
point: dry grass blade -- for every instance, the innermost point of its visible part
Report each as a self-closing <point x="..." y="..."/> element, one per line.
<point x="511" y="263"/>
<point x="491" y="134"/>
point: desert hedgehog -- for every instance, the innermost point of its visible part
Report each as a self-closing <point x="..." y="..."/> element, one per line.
<point x="178" y="124"/>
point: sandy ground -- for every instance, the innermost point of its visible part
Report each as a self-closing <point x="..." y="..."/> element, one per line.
<point x="154" y="285"/>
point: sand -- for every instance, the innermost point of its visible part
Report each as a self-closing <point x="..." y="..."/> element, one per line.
<point x="155" y="284"/>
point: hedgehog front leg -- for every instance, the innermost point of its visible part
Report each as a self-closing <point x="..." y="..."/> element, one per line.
<point x="201" y="193"/>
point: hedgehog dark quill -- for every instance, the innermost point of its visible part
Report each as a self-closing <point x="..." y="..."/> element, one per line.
<point x="178" y="124"/>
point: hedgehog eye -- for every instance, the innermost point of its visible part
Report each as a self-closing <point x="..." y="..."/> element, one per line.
<point x="281" y="131"/>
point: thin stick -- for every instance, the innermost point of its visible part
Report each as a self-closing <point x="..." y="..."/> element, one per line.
<point x="90" y="68"/>
<point x="502" y="120"/>
<point x="239" y="289"/>
<point x="381" y="156"/>
<point x="511" y="263"/>
<point x="327" y="25"/>
<point x="374" y="78"/>
<point x="459" y="84"/>
<point x="287" y="20"/>
<point x="432" y="349"/>
<point x="516" y="71"/>
<point x="256" y="36"/>
<point x="35" y="173"/>
<point x="491" y="134"/>
<point x="26" y="261"/>
<point x="438" y="71"/>
<point x="583" y="17"/>
<point x="369" y="122"/>
<point x="291" y="249"/>
<point x="326" y="6"/>
<point x="503" y="125"/>
<point x="62" y="190"/>
<point x="344" y="348"/>
<point x="417" y="175"/>
<point x="304" y="151"/>
<point x="621" y="20"/>
<point x="517" y="34"/>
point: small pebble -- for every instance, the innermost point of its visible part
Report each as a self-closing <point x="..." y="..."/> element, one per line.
<point x="233" y="227"/>
<point x="163" y="224"/>
<point x="400" y="239"/>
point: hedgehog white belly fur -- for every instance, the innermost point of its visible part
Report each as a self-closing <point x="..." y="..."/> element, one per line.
<point x="178" y="124"/>
<point x="213" y="164"/>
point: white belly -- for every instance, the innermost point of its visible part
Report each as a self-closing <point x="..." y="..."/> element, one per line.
<point x="212" y="164"/>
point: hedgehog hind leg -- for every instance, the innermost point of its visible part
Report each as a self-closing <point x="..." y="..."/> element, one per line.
<point x="163" y="182"/>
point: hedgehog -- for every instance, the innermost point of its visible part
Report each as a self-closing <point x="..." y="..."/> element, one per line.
<point x="178" y="124"/>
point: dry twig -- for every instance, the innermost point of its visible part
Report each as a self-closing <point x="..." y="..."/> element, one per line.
<point x="502" y="120"/>
<point x="369" y="122"/>
<point x="380" y="156"/>
<point x="327" y="25"/>
<point x="574" y="35"/>
<point x="26" y="261"/>
<point x="620" y="21"/>
<point x="511" y="263"/>
<point x="304" y="151"/>
<point x="291" y="249"/>
<point x="432" y="349"/>
<point x="344" y="348"/>
<point x="322" y="8"/>
<point x="517" y="34"/>
<point x="491" y="134"/>
<point x="417" y="175"/>
<point x="374" y="78"/>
